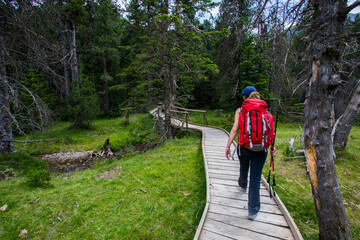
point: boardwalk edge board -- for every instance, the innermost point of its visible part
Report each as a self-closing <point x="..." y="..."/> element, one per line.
<point x="294" y="229"/>
<point x="206" y="209"/>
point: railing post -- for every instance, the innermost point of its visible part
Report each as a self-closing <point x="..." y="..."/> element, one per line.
<point x="187" y="120"/>
<point x="205" y="122"/>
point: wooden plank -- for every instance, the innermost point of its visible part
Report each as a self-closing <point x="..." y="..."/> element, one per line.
<point x="227" y="188"/>
<point x="236" y="203"/>
<point x="239" y="195"/>
<point x="223" y="158"/>
<point x="223" y="176"/>
<point x="233" y="183"/>
<point x="217" y="142"/>
<point x="208" y="235"/>
<point x="217" y="145"/>
<point x="223" y="167"/>
<point x="234" y="164"/>
<point x="254" y="226"/>
<point x="215" y="153"/>
<point x="214" y="137"/>
<point x="234" y="172"/>
<point x="230" y="181"/>
<point x="233" y="232"/>
<point x="268" y="218"/>
<point x="215" y="164"/>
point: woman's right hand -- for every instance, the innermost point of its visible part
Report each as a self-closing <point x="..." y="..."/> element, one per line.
<point x="232" y="134"/>
<point x="227" y="153"/>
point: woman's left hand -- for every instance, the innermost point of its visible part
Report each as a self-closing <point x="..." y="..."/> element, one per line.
<point x="272" y="151"/>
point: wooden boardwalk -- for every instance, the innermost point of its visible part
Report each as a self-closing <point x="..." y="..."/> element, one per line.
<point x="225" y="213"/>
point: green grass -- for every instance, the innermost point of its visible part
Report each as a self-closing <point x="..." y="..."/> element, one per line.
<point x="68" y="139"/>
<point x="295" y="189"/>
<point x="293" y="182"/>
<point x="81" y="206"/>
<point x="173" y="177"/>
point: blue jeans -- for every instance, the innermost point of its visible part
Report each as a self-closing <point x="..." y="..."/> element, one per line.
<point x="254" y="160"/>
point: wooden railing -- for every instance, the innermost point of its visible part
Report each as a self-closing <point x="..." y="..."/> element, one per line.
<point x="186" y="111"/>
<point x="176" y="111"/>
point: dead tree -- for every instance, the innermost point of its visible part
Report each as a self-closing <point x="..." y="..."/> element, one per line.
<point x="166" y="74"/>
<point x="24" y="47"/>
<point x="325" y="36"/>
<point x="5" y="119"/>
<point x="343" y="125"/>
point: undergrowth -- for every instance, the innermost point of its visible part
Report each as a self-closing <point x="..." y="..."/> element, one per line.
<point x="141" y="129"/>
<point x="23" y="165"/>
<point x="156" y="195"/>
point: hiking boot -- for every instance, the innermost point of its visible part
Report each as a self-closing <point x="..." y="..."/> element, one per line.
<point x="252" y="216"/>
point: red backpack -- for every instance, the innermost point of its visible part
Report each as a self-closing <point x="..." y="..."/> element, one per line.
<point x="256" y="125"/>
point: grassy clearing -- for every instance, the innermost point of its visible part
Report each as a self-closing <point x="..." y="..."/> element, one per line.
<point x="79" y="205"/>
<point x="67" y="139"/>
<point x="293" y="182"/>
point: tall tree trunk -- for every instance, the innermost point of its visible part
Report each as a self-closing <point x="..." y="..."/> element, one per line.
<point x="73" y="57"/>
<point x="149" y="33"/>
<point x="327" y="26"/>
<point x="66" y="86"/>
<point x="344" y="123"/>
<point x="167" y="75"/>
<point x="6" y="138"/>
<point x="63" y="39"/>
<point x="175" y="59"/>
<point x="106" y="85"/>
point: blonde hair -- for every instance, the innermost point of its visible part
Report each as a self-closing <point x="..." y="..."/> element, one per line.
<point x="254" y="95"/>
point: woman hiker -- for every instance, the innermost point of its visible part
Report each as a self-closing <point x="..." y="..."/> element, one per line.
<point x="255" y="124"/>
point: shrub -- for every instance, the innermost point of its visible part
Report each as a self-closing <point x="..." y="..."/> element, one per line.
<point x="38" y="177"/>
<point x="36" y="170"/>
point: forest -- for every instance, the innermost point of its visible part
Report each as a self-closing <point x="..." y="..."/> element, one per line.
<point x="85" y="61"/>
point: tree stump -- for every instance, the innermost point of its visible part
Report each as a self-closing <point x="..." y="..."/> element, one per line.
<point x="106" y="148"/>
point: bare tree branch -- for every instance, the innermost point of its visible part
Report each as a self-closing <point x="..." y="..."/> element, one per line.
<point x="260" y="12"/>
<point x="351" y="7"/>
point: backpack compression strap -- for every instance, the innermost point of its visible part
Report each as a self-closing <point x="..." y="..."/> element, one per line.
<point x="264" y="130"/>
<point x="249" y="128"/>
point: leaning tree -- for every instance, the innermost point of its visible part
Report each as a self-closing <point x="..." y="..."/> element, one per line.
<point x="325" y="37"/>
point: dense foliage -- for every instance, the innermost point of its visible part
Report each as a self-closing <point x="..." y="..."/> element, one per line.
<point x="129" y="58"/>
<point x="82" y="59"/>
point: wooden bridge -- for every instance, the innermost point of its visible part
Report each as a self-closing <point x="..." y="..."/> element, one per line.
<point x="225" y="213"/>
